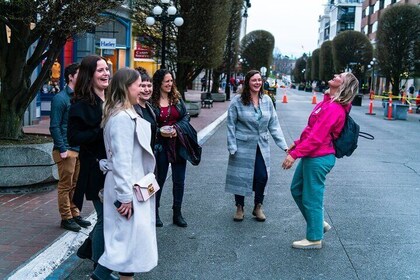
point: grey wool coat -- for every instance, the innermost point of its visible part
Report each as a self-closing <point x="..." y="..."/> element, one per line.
<point x="244" y="133"/>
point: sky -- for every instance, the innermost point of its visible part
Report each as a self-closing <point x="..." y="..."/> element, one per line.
<point x="293" y="23"/>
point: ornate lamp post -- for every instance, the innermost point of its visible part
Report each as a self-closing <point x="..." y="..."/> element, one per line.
<point x="165" y="15"/>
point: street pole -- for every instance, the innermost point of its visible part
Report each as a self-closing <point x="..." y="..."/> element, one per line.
<point x="162" y="65"/>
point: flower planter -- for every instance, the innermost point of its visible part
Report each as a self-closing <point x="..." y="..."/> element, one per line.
<point x="26" y="168"/>
<point x="193" y="108"/>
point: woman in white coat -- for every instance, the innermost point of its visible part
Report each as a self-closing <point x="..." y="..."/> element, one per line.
<point x="129" y="228"/>
<point x="251" y="119"/>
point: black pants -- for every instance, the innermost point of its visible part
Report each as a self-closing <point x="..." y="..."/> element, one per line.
<point x="259" y="183"/>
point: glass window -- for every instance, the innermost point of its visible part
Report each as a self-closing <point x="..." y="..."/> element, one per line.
<point x="376" y="7"/>
<point x="374" y="26"/>
<point x="381" y="4"/>
<point x="370" y="9"/>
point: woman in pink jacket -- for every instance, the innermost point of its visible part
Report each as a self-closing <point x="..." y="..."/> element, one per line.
<point x="316" y="150"/>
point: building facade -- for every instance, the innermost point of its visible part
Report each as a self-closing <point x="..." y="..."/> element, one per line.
<point x="339" y="16"/>
<point x="371" y="12"/>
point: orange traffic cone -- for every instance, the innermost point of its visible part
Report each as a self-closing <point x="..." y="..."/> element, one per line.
<point x="390" y="109"/>
<point x="314" y="98"/>
<point x="410" y="109"/>
<point x="285" y="97"/>
<point x="370" y="108"/>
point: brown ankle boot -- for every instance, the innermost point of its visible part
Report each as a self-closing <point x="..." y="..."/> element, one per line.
<point x="258" y="213"/>
<point x="239" y="214"/>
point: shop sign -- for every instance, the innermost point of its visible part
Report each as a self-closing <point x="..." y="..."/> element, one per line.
<point x="108" y="43"/>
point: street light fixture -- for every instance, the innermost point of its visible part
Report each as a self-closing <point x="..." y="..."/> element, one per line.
<point x="165" y="15"/>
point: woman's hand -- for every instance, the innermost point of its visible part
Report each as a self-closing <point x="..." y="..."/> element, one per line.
<point x="288" y="162"/>
<point x="126" y="209"/>
<point x="291" y="147"/>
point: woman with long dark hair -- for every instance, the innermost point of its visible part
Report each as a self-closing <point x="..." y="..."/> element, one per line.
<point x="172" y="118"/>
<point x="84" y="130"/>
<point x="251" y="119"/>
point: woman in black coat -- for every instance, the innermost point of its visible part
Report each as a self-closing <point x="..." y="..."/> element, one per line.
<point x="84" y="130"/>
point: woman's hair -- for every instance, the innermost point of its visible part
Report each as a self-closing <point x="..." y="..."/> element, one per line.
<point x="347" y="90"/>
<point x="143" y="74"/>
<point x="83" y="90"/>
<point x="246" y="92"/>
<point x="116" y="98"/>
<point x="174" y="95"/>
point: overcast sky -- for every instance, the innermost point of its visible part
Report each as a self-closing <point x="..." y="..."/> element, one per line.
<point x="293" y="23"/>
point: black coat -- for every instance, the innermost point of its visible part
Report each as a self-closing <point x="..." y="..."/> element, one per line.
<point x="84" y="130"/>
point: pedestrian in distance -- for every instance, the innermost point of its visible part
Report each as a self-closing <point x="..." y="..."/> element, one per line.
<point x="203" y="84"/>
<point x="144" y="108"/>
<point x="65" y="156"/>
<point x="251" y="119"/>
<point x="84" y="130"/>
<point x="174" y="132"/>
<point x="316" y="151"/>
<point x="129" y="225"/>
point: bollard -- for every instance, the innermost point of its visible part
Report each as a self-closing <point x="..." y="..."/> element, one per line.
<point x="314" y="97"/>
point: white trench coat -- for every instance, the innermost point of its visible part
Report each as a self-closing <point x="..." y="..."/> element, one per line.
<point x="130" y="245"/>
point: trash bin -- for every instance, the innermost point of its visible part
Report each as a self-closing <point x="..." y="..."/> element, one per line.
<point x="357" y="101"/>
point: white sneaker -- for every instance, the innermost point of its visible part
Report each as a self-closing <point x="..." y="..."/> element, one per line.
<point x="327" y="227"/>
<point x="306" y="244"/>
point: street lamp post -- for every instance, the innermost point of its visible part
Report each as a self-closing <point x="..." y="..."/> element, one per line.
<point x="165" y="15"/>
<point x="372" y="64"/>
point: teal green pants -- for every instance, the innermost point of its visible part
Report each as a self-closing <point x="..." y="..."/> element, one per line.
<point x="307" y="189"/>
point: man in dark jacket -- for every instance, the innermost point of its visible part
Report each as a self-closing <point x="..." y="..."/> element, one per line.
<point x="66" y="157"/>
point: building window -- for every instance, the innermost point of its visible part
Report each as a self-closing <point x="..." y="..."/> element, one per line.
<point x="371" y="9"/>
<point x="374" y="26"/>
<point x="381" y="4"/>
<point x="364" y="13"/>
<point x="393" y="1"/>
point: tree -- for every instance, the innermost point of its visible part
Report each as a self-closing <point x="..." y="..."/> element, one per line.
<point x="232" y="42"/>
<point x="257" y="50"/>
<point x="315" y="65"/>
<point x="299" y="70"/>
<point x="352" y="50"/>
<point x="308" y="69"/>
<point x="32" y="35"/>
<point x="397" y="38"/>
<point x="326" y="62"/>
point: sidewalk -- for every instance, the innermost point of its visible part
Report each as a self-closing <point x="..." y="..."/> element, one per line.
<point x="31" y="222"/>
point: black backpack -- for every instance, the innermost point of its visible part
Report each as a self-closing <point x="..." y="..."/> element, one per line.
<point x="346" y="142"/>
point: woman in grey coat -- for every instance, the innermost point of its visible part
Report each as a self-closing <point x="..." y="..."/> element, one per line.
<point x="251" y="118"/>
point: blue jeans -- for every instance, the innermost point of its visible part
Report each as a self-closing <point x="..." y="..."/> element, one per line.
<point x="307" y="189"/>
<point x="178" y="177"/>
<point x="97" y="233"/>
<point x="259" y="183"/>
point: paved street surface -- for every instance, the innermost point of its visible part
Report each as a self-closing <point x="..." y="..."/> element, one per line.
<point x="372" y="201"/>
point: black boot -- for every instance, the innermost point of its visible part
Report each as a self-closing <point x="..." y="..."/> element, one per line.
<point x="158" y="221"/>
<point x="178" y="219"/>
<point x="85" y="250"/>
